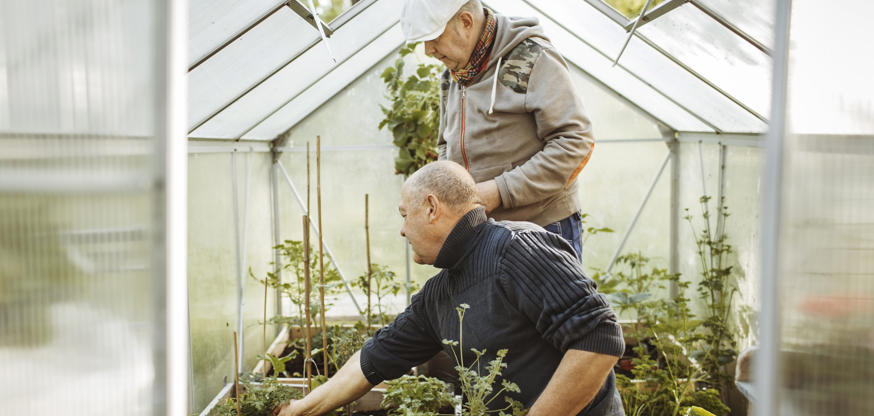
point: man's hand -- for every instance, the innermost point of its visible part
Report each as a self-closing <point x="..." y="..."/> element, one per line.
<point x="489" y="194"/>
<point x="285" y="409"/>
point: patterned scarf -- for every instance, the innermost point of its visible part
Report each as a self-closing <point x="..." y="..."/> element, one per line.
<point x="480" y="56"/>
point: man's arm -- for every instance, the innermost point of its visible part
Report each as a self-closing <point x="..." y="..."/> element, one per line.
<point x="562" y="125"/>
<point x="574" y="384"/>
<point x="347" y="385"/>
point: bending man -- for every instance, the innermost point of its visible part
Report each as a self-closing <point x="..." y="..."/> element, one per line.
<point x="527" y="293"/>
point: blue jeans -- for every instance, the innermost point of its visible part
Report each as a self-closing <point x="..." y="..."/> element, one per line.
<point x="571" y="229"/>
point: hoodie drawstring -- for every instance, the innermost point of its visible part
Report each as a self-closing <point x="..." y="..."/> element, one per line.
<point x="495" y="85"/>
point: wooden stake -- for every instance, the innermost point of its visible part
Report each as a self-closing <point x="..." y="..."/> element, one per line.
<point x="309" y="182"/>
<point x="236" y="373"/>
<point x="367" y="245"/>
<point x="307" y="292"/>
<point x="321" y="252"/>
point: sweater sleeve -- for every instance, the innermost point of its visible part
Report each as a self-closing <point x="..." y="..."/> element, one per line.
<point x="562" y="126"/>
<point x="542" y="278"/>
<point x="405" y="342"/>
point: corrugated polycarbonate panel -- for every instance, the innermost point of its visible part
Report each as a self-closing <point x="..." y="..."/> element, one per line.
<point x="310" y="99"/>
<point x="753" y="17"/>
<point x="594" y="61"/>
<point x="71" y="70"/>
<point x="652" y="67"/>
<point x="708" y="48"/>
<point x="246" y="62"/>
<point x="306" y="69"/>
<point x="211" y="23"/>
<point x="79" y="292"/>
<point x="826" y="275"/>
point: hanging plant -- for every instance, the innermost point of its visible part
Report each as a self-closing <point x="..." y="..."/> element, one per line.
<point x="414" y="114"/>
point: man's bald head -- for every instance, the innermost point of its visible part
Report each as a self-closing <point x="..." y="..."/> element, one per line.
<point x="446" y="180"/>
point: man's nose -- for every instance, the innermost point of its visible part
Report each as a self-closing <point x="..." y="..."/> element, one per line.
<point x="429" y="48"/>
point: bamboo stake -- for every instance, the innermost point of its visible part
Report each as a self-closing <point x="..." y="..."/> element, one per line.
<point x="321" y="252"/>
<point x="367" y="245"/>
<point x="236" y="374"/>
<point x="307" y="291"/>
<point x="308" y="182"/>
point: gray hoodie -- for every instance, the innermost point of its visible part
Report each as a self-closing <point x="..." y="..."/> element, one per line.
<point x="520" y="122"/>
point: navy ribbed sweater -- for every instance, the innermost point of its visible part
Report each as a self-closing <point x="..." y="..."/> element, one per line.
<point x="526" y="292"/>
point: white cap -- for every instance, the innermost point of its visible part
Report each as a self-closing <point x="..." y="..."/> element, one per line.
<point x="423" y="20"/>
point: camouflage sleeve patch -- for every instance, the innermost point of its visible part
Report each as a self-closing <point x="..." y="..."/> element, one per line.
<point x="517" y="66"/>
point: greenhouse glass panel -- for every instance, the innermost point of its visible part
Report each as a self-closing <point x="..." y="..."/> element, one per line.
<point x="268" y="97"/>
<point x="334" y="82"/>
<point x="213" y="268"/>
<point x="708" y="48"/>
<point x="587" y="49"/>
<point x="211" y="23"/>
<point x="688" y="90"/>
<point x="246" y="62"/>
<point x="826" y="250"/>
<point x="753" y="17"/>
<point x="651" y="67"/>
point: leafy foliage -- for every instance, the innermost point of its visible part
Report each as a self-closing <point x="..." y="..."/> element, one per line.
<point x="717" y="288"/>
<point x="258" y="399"/>
<point x="292" y="253"/>
<point x="383" y="282"/>
<point x="665" y="379"/>
<point x="478" y="388"/>
<point x="417" y="396"/>
<point x="414" y="115"/>
<point x="590" y="231"/>
<point x="631" y="8"/>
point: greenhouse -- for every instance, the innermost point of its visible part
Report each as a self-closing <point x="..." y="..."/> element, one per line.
<point x="199" y="206"/>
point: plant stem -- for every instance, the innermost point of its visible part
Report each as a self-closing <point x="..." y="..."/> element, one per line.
<point x="367" y="244"/>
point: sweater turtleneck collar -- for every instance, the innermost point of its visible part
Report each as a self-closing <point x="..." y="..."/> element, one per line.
<point x="457" y="244"/>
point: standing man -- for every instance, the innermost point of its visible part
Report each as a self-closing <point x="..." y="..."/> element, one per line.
<point x="508" y="112"/>
<point x="528" y="294"/>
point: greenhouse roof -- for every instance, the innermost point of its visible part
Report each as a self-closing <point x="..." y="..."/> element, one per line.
<point x="258" y="67"/>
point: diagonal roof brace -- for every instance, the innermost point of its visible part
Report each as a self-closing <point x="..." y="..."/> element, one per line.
<point x="305" y="14"/>
<point x="653" y="14"/>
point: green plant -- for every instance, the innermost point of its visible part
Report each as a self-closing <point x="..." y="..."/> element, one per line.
<point x="278" y="363"/>
<point x="417" y="396"/>
<point x="383" y="282"/>
<point x="292" y="254"/>
<point x="476" y="387"/>
<point x="717" y="288"/>
<point x="258" y="398"/>
<point x="665" y="379"/>
<point x="414" y="114"/>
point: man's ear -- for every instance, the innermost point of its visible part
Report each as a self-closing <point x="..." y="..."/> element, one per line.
<point x="432" y="205"/>
<point x="466" y="20"/>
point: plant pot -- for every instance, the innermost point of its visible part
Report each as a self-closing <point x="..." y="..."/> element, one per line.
<point x="370" y="402"/>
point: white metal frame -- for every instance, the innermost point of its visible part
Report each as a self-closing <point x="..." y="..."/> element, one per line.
<point x="767" y="363"/>
<point x="172" y="335"/>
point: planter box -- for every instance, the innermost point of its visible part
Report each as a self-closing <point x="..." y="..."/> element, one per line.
<point x="370" y="402"/>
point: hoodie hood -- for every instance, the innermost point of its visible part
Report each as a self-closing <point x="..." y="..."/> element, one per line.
<point x="510" y="32"/>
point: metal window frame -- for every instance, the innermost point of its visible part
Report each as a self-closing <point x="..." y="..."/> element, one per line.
<point x="172" y="335"/>
<point x="767" y="366"/>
